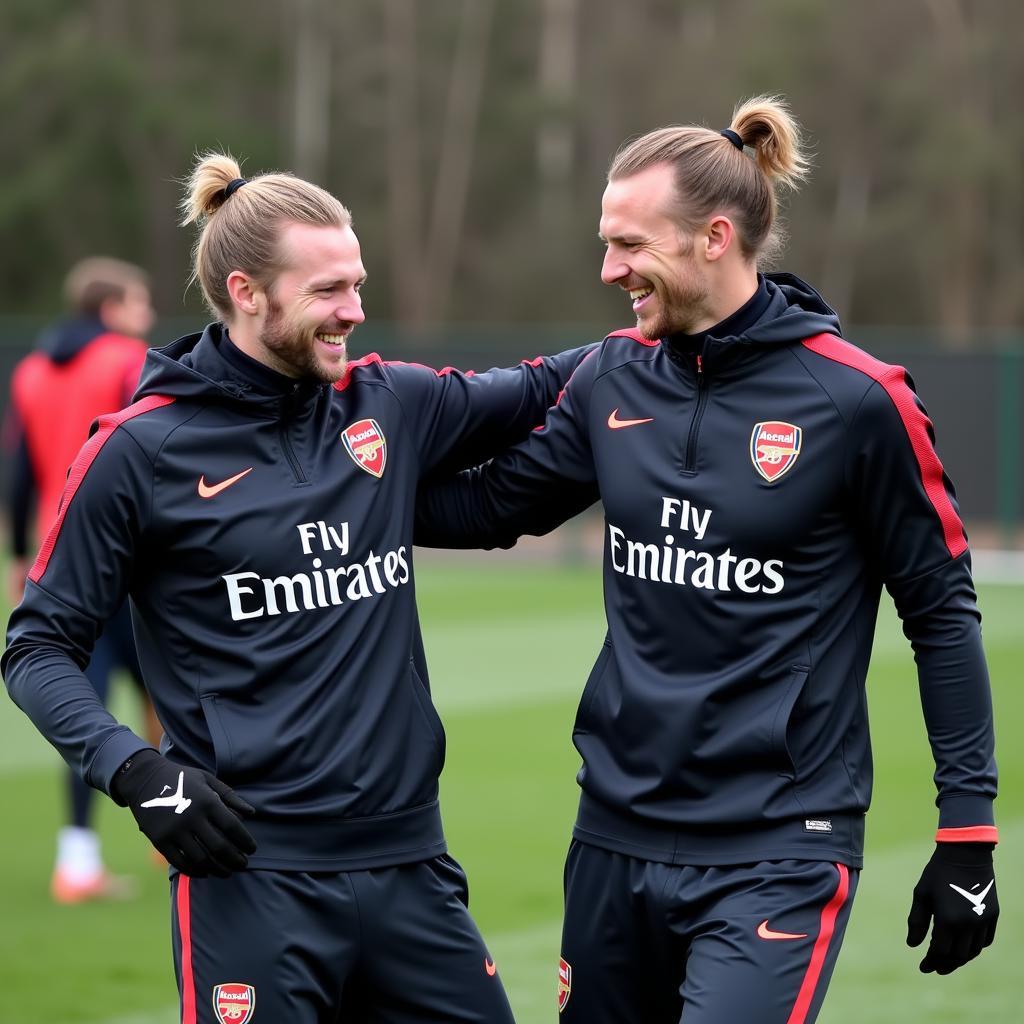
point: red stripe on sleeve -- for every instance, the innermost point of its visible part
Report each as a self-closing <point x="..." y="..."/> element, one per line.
<point x="632" y="332"/>
<point x="367" y="360"/>
<point x="972" y="834"/>
<point x="188" y="981"/>
<point x="373" y="358"/>
<point x="821" y="944"/>
<point x="79" y="468"/>
<point x="917" y="425"/>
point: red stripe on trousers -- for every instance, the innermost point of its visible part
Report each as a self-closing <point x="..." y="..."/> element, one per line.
<point x="188" y="981"/>
<point x="825" y="932"/>
<point x="79" y="468"/>
<point x="917" y="425"/>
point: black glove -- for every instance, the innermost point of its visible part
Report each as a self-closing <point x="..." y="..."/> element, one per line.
<point x="190" y="816"/>
<point x="958" y="889"/>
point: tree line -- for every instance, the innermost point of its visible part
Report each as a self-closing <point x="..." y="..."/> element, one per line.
<point x="471" y="138"/>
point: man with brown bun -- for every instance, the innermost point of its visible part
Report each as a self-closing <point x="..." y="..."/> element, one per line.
<point x="762" y="479"/>
<point x="256" y="502"/>
<point x="85" y="365"/>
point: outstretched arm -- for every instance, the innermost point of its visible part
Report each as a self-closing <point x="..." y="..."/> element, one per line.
<point x="529" y="489"/>
<point x="461" y="419"/>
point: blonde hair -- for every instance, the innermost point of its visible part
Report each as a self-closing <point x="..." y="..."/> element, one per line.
<point x="711" y="173"/>
<point x="241" y="231"/>
<point x="94" y="280"/>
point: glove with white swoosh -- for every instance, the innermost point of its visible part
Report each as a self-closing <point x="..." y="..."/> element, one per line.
<point x="958" y="889"/>
<point x="189" y="815"/>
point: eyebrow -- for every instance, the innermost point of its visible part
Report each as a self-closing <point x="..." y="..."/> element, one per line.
<point x="625" y="239"/>
<point x="334" y="282"/>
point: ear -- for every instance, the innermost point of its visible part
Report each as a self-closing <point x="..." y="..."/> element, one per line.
<point x="720" y="235"/>
<point x="109" y="311"/>
<point x="246" y="295"/>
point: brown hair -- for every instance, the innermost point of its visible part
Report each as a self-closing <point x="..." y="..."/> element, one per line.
<point x="94" y="280"/>
<point x="711" y="173"/>
<point x="241" y="231"/>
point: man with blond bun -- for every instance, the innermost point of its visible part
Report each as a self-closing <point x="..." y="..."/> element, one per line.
<point x="762" y="479"/>
<point x="256" y="502"/>
<point x="85" y="365"/>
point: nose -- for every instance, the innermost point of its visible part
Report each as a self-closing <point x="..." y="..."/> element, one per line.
<point x="613" y="268"/>
<point x="351" y="311"/>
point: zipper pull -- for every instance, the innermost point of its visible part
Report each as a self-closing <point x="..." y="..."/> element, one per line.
<point x="700" y="371"/>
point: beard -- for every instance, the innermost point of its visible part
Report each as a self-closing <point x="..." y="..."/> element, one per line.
<point x="292" y="348"/>
<point x="682" y="303"/>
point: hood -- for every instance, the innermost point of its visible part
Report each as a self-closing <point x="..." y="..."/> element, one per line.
<point x="64" y="340"/>
<point x="795" y="311"/>
<point x="207" y="367"/>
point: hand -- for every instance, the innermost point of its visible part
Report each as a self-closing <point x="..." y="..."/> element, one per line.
<point x="190" y="816"/>
<point x="958" y="889"/>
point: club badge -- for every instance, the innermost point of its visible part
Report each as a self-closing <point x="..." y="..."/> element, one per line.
<point x="234" y="1003"/>
<point x="774" y="447"/>
<point x="365" y="442"/>
<point x="564" y="983"/>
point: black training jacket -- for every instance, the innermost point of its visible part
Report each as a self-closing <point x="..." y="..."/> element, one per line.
<point x="758" y="493"/>
<point x="263" y="529"/>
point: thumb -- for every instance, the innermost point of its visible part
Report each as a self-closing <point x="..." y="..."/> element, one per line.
<point x="918" y="920"/>
<point x="231" y="799"/>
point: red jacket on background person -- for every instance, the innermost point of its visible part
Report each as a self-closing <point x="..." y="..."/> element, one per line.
<point x="80" y="371"/>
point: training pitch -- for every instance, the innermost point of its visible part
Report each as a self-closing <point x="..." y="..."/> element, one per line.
<point x="509" y="645"/>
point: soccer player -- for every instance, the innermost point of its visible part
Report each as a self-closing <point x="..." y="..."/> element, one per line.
<point x="256" y="503"/>
<point x="84" y="366"/>
<point x="762" y="479"/>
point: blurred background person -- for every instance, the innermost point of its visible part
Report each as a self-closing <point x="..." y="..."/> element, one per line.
<point x="84" y="365"/>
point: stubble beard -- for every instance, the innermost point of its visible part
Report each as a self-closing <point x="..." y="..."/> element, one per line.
<point x="683" y="305"/>
<point x="292" y="348"/>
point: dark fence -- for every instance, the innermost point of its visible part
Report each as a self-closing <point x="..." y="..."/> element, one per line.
<point x="975" y="398"/>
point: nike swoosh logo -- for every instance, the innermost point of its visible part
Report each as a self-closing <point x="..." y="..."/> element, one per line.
<point x="489" y="967"/>
<point x="616" y="424"/>
<point x="979" y="907"/>
<point x="178" y="800"/>
<point x="764" y="932"/>
<point x="211" y="490"/>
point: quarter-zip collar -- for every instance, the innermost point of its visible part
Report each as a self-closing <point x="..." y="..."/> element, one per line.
<point x="783" y="310"/>
<point x="209" y="367"/>
<point x="733" y="326"/>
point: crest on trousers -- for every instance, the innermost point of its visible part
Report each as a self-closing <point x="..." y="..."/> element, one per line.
<point x="774" y="447"/>
<point x="564" y="983"/>
<point x="234" y="1003"/>
<point x="365" y="442"/>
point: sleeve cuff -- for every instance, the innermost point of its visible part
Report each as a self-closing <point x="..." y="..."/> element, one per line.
<point x="122" y="745"/>
<point x="972" y="834"/>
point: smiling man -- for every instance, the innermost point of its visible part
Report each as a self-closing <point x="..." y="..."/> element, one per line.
<point x="762" y="479"/>
<point x="256" y="503"/>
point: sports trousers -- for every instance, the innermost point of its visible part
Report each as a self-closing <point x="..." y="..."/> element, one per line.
<point x="391" y="945"/>
<point x="662" y="944"/>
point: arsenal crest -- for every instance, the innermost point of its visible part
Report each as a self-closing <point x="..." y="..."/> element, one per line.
<point x="234" y="1003"/>
<point x="774" y="447"/>
<point x="564" y="983"/>
<point x="365" y="442"/>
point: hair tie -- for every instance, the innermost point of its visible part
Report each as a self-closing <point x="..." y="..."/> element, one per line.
<point x="732" y="137"/>
<point x="233" y="186"/>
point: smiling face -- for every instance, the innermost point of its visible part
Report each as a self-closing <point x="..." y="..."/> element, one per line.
<point x="649" y="255"/>
<point x="313" y="304"/>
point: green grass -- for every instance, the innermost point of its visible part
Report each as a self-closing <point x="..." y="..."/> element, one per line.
<point x="509" y="647"/>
